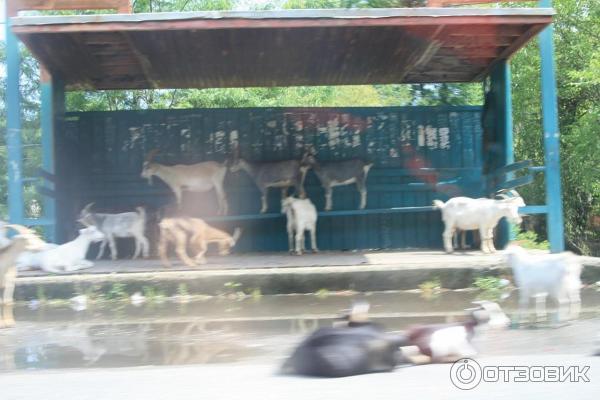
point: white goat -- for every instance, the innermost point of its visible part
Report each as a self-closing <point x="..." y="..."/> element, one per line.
<point x="542" y="275"/>
<point x="301" y="216"/>
<point x="31" y="259"/>
<point x="122" y="225"/>
<point x="200" y="177"/>
<point x="483" y="214"/>
<point x="70" y="256"/>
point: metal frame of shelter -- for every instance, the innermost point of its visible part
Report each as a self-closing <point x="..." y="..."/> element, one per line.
<point x="53" y="111"/>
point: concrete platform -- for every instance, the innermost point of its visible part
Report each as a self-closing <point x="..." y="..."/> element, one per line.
<point x="283" y="260"/>
<point x="277" y="273"/>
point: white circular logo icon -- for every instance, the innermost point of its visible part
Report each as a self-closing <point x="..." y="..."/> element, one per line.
<point x="465" y="374"/>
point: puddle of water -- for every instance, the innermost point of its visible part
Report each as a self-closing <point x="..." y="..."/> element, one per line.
<point x="220" y="330"/>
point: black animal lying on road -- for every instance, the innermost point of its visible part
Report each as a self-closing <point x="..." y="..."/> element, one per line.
<point x="358" y="346"/>
<point x="354" y="348"/>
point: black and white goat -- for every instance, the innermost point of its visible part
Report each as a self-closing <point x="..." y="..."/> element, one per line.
<point x="358" y="346"/>
<point x="122" y="225"/>
<point x="452" y="341"/>
<point x="338" y="173"/>
<point x="481" y="214"/>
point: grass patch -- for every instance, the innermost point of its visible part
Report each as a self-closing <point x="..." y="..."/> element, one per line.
<point x="153" y="295"/>
<point x="182" y="290"/>
<point x="433" y="285"/>
<point x="117" y="292"/>
<point x="431" y="289"/>
<point x="491" y="288"/>
<point x="488" y="283"/>
<point x="530" y="240"/>
<point x="40" y="294"/>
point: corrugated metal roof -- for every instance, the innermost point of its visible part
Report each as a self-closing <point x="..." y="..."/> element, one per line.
<point x="278" y="48"/>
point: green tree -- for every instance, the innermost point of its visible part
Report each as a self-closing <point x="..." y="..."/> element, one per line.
<point x="576" y="35"/>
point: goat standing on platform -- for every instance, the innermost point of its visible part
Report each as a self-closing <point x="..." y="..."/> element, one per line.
<point x="483" y="214"/>
<point x="200" y="177"/>
<point x="339" y="173"/>
<point x="301" y="216"/>
<point x="122" y="225"/>
<point x="278" y="174"/>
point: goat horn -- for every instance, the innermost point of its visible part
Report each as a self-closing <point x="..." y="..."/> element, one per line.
<point x="88" y="207"/>
<point x="503" y="193"/>
<point x="508" y="194"/>
<point x="151" y="155"/>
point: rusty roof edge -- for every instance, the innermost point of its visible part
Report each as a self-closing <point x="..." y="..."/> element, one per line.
<point x="285" y="14"/>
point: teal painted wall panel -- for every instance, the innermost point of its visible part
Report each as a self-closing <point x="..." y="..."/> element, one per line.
<point x="102" y="154"/>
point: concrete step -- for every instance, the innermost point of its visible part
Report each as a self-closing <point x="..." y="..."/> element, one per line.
<point x="362" y="272"/>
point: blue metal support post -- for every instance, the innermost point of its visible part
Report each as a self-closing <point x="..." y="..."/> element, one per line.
<point x="555" y="225"/>
<point x="13" y="126"/>
<point x="501" y="87"/>
<point x="51" y="115"/>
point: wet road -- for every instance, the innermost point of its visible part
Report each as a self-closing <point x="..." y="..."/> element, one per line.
<point x="258" y="381"/>
<point x="223" y="347"/>
<point x="262" y="329"/>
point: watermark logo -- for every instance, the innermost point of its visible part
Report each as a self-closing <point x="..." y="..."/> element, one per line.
<point x="466" y="374"/>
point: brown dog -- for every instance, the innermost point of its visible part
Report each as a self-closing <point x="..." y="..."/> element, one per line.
<point x="200" y="234"/>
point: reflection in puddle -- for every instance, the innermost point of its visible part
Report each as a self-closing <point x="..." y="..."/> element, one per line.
<point x="224" y="331"/>
<point x="118" y="345"/>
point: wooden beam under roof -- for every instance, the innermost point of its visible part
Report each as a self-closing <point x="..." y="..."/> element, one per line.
<point x="282" y="48"/>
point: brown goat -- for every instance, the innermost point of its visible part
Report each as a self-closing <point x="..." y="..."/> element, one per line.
<point x="200" y="234"/>
<point x="27" y="240"/>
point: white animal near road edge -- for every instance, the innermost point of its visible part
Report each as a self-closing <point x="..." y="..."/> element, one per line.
<point x="557" y="276"/>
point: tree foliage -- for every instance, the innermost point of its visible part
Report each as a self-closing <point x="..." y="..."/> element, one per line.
<point x="576" y="36"/>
